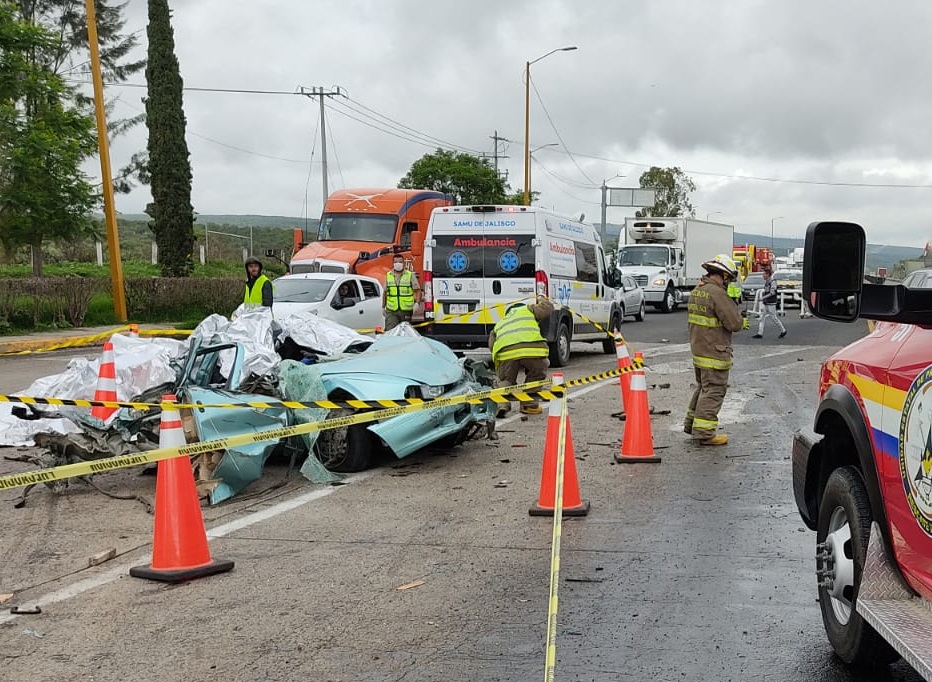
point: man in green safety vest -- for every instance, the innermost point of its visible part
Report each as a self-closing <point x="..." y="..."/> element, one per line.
<point x="713" y="317"/>
<point x="258" y="286"/>
<point x="517" y="345"/>
<point x="400" y="294"/>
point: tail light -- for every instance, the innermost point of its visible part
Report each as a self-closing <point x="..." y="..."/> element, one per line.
<point x="428" y="287"/>
<point x="543" y="284"/>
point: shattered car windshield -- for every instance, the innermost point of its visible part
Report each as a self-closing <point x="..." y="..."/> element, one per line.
<point x="643" y="255"/>
<point x="301" y="290"/>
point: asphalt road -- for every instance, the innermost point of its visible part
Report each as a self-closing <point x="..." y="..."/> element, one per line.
<point x="696" y="568"/>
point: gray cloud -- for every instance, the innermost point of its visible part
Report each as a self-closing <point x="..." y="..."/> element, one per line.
<point x="830" y="91"/>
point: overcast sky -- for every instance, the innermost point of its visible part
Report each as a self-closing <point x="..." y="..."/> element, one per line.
<point x="815" y="96"/>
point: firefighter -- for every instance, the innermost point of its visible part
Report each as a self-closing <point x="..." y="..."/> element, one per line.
<point x="400" y="294"/>
<point x="713" y="317"/>
<point x="517" y="344"/>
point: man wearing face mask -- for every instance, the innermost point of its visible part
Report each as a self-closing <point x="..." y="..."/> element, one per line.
<point x="401" y="292"/>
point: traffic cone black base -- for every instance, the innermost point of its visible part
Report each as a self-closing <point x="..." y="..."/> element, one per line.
<point x="183" y="574"/>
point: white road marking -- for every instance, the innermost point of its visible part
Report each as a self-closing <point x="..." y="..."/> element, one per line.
<point x="220" y="531"/>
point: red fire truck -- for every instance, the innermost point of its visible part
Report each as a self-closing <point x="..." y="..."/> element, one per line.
<point x="863" y="481"/>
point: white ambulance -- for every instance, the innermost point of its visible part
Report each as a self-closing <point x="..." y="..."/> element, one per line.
<point x="480" y="259"/>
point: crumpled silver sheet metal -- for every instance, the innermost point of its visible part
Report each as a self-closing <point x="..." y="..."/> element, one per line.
<point x="322" y="335"/>
<point x="141" y="364"/>
<point x="250" y="327"/>
<point x="403" y="329"/>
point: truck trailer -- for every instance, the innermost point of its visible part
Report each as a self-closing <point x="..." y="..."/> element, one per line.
<point x="665" y="255"/>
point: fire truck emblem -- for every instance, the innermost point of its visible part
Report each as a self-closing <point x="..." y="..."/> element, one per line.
<point x="915" y="448"/>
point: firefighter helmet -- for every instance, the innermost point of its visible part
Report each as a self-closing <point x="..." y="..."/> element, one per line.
<point x="722" y="264"/>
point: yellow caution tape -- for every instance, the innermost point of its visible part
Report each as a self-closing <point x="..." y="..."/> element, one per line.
<point x="523" y="392"/>
<point x="97" y="466"/>
<point x="44" y="346"/>
<point x="108" y="464"/>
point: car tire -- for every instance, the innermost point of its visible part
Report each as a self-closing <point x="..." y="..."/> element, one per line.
<point x="349" y="449"/>
<point x="668" y="305"/>
<point x="639" y="315"/>
<point x="608" y="345"/>
<point x="560" y="348"/>
<point x="843" y="530"/>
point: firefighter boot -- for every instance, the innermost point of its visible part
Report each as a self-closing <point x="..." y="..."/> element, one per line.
<point x="718" y="439"/>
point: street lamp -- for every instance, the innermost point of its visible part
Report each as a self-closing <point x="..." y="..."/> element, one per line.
<point x="536" y="149"/>
<point x="711" y="214"/>
<point x="779" y="217"/>
<point x="527" y="119"/>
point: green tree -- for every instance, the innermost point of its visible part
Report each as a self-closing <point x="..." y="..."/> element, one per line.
<point x="44" y="139"/>
<point x="169" y="163"/>
<point x="68" y="56"/>
<point x="468" y="178"/>
<point x="672" y="187"/>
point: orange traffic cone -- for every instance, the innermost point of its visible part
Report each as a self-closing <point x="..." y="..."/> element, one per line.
<point x="179" y="547"/>
<point x="638" y="443"/>
<point x="106" y="384"/>
<point x="546" y="499"/>
<point x="624" y="361"/>
<point x="134" y="331"/>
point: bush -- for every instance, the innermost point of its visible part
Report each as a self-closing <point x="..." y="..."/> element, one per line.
<point x="157" y="299"/>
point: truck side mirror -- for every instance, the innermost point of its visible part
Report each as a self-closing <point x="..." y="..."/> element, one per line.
<point x="833" y="270"/>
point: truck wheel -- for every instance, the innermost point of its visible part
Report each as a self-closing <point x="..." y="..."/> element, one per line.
<point x="348" y="449"/>
<point x="842" y="536"/>
<point x="639" y="315"/>
<point x="560" y="349"/>
<point x="608" y="345"/>
<point x="668" y="305"/>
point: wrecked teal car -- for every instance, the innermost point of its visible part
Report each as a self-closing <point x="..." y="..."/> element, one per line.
<point x="392" y="367"/>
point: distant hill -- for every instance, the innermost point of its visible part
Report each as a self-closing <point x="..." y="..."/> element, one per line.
<point x="238" y="220"/>
<point x="878" y="255"/>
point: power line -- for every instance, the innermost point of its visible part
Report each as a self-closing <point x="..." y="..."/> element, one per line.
<point x="336" y="156"/>
<point x="563" y="191"/>
<point x="732" y="176"/>
<point x="565" y="150"/>
<point x="224" y="144"/>
<point x="557" y="132"/>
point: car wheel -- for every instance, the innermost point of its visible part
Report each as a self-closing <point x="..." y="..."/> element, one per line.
<point x="668" y="305"/>
<point x="560" y="349"/>
<point x="639" y="316"/>
<point x="349" y="449"/>
<point x="608" y="345"/>
<point x="842" y="535"/>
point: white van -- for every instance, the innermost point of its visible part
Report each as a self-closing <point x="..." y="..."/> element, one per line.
<point x="478" y="259"/>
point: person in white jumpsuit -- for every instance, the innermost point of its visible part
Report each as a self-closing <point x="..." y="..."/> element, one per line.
<point x="769" y="299"/>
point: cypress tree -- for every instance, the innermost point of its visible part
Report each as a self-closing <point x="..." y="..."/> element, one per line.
<point x="169" y="164"/>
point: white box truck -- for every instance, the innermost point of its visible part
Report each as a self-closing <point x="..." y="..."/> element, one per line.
<point x="665" y="255"/>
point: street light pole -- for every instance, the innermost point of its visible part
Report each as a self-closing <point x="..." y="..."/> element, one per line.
<point x="711" y="214"/>
<point x="527" y="119"/>
<point x="536" y="149"/>
<point x="772" y="220"/>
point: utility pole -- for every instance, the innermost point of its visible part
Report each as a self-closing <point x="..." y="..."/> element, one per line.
<point x="604" y="210"/>
<point x="321" y="93"/>
<point x="496" y="139"/>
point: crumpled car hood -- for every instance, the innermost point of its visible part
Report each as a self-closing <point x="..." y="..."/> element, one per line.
<point x="417" y="360"/>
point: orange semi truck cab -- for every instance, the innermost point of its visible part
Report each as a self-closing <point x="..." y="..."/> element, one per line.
<point x="360" y="230"/>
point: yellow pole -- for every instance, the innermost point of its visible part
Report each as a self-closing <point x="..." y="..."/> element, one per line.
<point x="113" y="237"/>
<point x="527" y="134"/>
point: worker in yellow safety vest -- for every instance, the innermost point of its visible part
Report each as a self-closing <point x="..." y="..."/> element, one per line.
<point x="400" y="294"/>
<point x="258" y="286"/>
<point x="712" y="318"/>
<point x="517" y="344"/>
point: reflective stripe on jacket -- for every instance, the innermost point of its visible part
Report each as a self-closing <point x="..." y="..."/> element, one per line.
<point x="713" y="316"/>
<point x="254" y="294"/>
<point x="399" y="293"/>
<point x="517" y="335"/>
